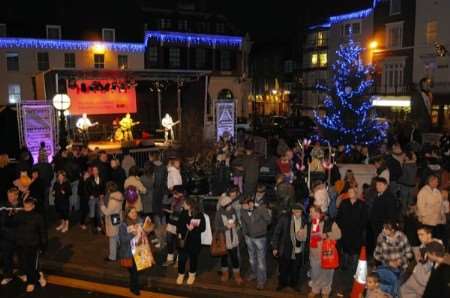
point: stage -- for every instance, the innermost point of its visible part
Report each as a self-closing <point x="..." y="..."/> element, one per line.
<point x="115" y="147"/>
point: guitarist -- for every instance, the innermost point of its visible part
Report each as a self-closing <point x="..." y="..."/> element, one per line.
<point x="83" y="125"/>
<point x="126" y="124"/>
<point x="168" y="124"/>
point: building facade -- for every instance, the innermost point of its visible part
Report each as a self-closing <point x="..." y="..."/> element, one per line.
<point x="164" y="37"/>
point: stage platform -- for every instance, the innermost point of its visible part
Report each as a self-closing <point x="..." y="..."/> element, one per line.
<point x="136" y="145"/>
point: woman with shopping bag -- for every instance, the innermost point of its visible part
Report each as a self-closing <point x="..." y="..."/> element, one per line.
<point x="132" y="238"/>
<point x="323" y="257"/>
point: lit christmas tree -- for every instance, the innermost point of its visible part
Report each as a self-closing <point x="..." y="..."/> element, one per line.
<point x="350" y="118"/>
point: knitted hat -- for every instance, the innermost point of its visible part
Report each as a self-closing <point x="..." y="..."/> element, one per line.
<point x="297" y="206"/>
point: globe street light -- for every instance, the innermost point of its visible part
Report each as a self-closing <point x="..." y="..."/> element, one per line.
<point x="61" y="102"/>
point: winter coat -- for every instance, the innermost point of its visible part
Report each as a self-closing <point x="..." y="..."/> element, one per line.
<point x="409" y="174"/>
<point x="30" y="230"/>
<point x="45" y="171"/>
<point x="136" y="182"/>
<point x="160" y="186"/>
<point x="231" y="235"/>
<point x="192" y="238"/>
<point x="63" y="191"/>
<point x="383" y="208"/>
<point x="114" y="206"/>
<point x="251" y="166"/>
<point x="173" y="177"/>
<point x="395" y="168"/>
<point x="147" y="198"/>
<point x="94" y="189"/>
<point x="416" y="283"/>
<point x="7" y="226"/>
<point x="124" y="240"/>
<point x="352" y="220"/>
<point x="281" y="238"/>
<point x="255" y="223"/>
<point x="118" y="176"/>
<point x="429" y="205"/>
<point x="330" y="228"/>
<point x="438" y="285"/>
<point x="128" y="162"/>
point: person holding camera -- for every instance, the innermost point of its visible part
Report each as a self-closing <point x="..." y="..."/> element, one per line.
<point x="288" y="243"/>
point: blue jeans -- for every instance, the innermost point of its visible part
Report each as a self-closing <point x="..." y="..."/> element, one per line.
<point x="113" y="245"/>
<point x="94" y="211"/>
<point x="257" y="257"/>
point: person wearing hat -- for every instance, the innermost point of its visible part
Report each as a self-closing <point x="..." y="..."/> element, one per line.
<point x="288" y="243"/>
<point x="226" y="221"/>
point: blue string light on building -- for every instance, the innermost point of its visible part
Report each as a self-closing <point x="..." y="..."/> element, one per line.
<point x="350" y="118"/>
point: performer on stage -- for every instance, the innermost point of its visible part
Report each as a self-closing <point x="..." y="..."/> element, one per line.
<point x="126" y="124"/>
<point x="168" y="124"/>
<point x="83" y="125"/>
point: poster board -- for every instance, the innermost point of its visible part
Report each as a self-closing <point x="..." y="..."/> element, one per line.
<point x="103" y="102"/>
<point x="225" y="118"/>
<point x="38" y="125"/>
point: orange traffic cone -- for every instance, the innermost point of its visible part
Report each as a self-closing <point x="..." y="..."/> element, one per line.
<point x="360" y="275"/>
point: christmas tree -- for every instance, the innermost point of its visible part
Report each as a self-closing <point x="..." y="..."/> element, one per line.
<point x="350" y="118"/>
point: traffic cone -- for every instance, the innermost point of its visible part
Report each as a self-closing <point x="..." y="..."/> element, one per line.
<point x="360" y="276"/>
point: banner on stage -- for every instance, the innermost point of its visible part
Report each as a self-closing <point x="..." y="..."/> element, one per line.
<point x="102" y="102"/>
<point x="225" y="118"/>
<point x="38" y="125"/>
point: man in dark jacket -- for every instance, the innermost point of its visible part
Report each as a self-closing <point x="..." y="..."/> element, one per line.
<point x="8" y="234"/>
<point x="352" y="220"/>
<point x="250" y="165"/>
<point x="255" y="221"/>
<point x="160" y="186"/>
<point x="383" y="207"/>
<point x="288" y="246"/>
<point x="45" y="173"/>
<point x="31" y="237"/>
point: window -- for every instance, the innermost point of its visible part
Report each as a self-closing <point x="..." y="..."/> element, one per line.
<point x="12" y="61"/>
<point x="174" y="57"/>
<point x="99" y="60"/>
<point x="109" y="34"/>
<point x="165" y="24"/>
<point x="13" y="93"/>
<point x="153" y="54"/>
<point x="395" y="7"/>
<point x="323" y="59"/>
<point x="220" y="28"/>
<point x="200" y="58"/>
<point x="432" y="32"/>
<point x="122" y="61"/>
<point x="42" y="60"/>
<point x="69" y="60"/>
<point x="225" y="60"/>
<point x="314" y="59"/>
<point x="394" y="35"/>
<point x="2" y="30"/>
<point x="392" y="76"/>
<point x="53" y="32"/>
<point x="183" y="25"/>
<point x="289" y="66"/>
<point x="203" y="27"/>
<point x="321" y="39"/>
<point x="351" y="29"/>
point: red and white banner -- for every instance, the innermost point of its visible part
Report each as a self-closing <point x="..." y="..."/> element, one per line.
<point x="101" y="102"/>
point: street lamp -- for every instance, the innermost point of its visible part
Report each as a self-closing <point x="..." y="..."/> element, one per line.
<point x="373" y="45"/>
<point x="61" y="102"/>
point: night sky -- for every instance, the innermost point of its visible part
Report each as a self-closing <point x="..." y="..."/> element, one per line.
<point x="272" y="20"/>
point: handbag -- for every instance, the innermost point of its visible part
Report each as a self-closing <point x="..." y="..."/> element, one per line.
<point x="115" y="219"/>
<point x="329" y="258"/>
<point x="126" y="263"/>
<point x="206" y="236"/>
<point x="218" y="245"/>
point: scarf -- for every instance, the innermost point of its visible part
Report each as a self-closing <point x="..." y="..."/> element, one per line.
<point x="231" y="237"/>
<point x="296" y="225"/>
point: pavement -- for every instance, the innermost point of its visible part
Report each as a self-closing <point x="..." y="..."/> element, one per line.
<point x="80" y="254"/>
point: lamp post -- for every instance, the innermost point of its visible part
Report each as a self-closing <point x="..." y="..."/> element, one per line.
<point x="61" y="102"/>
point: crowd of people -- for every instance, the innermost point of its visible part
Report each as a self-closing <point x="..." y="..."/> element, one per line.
<point x="313" y="220"/>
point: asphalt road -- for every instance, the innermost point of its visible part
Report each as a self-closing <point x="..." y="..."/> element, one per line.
<point x="62" y="287"/>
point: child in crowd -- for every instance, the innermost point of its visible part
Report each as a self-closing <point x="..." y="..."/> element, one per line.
<point x="373" y="289"/>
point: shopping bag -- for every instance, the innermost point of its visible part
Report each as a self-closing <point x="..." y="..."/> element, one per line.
<point x="218" y="245"/>
<point x="206" y="236"/>
<point x="330" y="257"/>
<point x="142" y="253"/>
